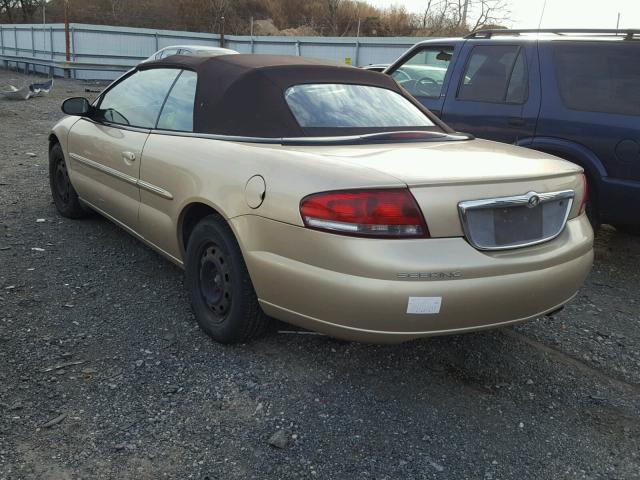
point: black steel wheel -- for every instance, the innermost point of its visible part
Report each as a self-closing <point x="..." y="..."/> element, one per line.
<point x="215" y="281"/>
<point x="222" y="296"/>
<point x="62" y="191"/>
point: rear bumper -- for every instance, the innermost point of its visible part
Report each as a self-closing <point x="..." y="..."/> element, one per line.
<point x="619" y="200"/>
<point x="349" y="287"/>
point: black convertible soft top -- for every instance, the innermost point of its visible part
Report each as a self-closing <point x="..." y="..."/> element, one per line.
<point x="243" y="95"/>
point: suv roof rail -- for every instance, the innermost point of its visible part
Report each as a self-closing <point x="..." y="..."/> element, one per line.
<point x="488" y="33"/>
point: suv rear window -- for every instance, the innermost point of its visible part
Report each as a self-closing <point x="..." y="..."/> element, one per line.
<point x="352" y="106"/>
<point x="598" y="77"/>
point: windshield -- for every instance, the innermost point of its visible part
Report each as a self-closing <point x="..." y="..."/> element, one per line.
<point x="352" y="106"/>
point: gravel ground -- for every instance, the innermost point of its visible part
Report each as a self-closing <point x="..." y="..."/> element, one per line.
<point x="106" y="375"/>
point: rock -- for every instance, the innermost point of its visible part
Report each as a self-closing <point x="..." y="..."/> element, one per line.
<point x="529" y="382"/>
<point x="437" y="466"/>
<point x="31" y="155"/>
<point x="139" y="363"/>
<point x="40" y="220"/>
<point x="280" y="439"/>
<point x="171" y="389"/>
<point x="120" y="446"/>
<point x="55" y="421"/>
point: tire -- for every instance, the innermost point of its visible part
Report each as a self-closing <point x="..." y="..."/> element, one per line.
<point x="63" y="193"/>
<point x="592" y="208"/>
<point x="222" y="296"/>
<point x="629" y="229"/>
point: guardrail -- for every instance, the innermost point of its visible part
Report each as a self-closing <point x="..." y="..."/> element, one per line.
<point x="120" y="48"/>
<point x="31" y="64"/>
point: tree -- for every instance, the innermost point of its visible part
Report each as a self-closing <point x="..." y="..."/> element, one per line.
<point x="28" y="8"/>
<point x="456" y="17"/>
<point x="6" y="9"/>
<point x="490" y="12"/>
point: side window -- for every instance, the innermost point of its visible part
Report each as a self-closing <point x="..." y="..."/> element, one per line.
<point x="422" y="75"/>
<point x="518" y="90"/>
<point x="599" y="77"/>
<point x="137" y="100"/>
<point x="495" y="73"/>
<point x="177" y="113"/>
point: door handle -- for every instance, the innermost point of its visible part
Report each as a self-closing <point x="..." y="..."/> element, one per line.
<point x="516" y="121"/>
<point x="129" y="156"/>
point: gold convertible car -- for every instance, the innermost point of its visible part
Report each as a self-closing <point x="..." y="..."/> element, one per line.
<point x="324" y="196"/>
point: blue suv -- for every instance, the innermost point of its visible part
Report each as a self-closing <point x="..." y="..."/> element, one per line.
<point x="571" y="93"/>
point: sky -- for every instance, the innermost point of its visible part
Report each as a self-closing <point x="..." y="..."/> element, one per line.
<point x="557" y="13"/>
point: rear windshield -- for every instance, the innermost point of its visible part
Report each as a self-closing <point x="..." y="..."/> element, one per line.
<point x="352" y="106"/>
<point x="599" y="77"/>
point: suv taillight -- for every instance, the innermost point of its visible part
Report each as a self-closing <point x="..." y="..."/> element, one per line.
<point x="585" y="194"/>
<point x="388" y="213"/>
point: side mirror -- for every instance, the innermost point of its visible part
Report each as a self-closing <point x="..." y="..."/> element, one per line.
<point x="76" y="106"/>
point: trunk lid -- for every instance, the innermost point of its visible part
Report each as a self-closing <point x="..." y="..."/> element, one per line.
<point x="442" y="174"/>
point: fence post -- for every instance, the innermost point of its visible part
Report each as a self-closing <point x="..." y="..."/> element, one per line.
<point x="157" y="43"/>
<point x="73" y="50"/>
<point x="52" y="69"/>
<point x="5" y="63"/>
<point x="355" y="63"/>
<point x="298" y="47"/>
<point x="15" y="39"/>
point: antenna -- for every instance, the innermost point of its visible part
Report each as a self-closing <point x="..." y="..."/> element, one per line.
<point x="544" y="5"/>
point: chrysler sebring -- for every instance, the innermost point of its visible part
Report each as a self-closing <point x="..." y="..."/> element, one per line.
<point x="324" y="196"/>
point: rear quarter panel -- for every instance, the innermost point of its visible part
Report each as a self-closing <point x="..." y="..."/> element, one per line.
<point x="215" y="173"/>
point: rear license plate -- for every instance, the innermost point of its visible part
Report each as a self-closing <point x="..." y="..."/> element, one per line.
<point x="517" y="224"/>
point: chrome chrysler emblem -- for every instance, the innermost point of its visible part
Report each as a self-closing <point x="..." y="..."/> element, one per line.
<point x="534" y="201"/>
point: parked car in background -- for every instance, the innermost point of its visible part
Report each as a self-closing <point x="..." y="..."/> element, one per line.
<point x="376" y="67"/>
<point x="324" y="196"/>
<point x="571" y="93"/>
<point x="197" y="50"/>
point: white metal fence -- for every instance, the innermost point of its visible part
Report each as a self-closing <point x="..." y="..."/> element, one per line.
<point x="105" y="45"/>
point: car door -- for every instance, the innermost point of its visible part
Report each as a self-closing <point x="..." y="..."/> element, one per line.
<point x="425" y="72"/>
<point x="496" y="93"/>
<point x="106" y="149"/>
<point x="162" y="172"/>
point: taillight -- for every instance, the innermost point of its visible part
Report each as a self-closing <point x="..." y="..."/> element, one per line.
<point x="371" y="213"/>
<point x="585" y="194"/>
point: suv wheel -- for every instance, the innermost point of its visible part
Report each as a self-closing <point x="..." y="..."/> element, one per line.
<point x="630" y="229"/>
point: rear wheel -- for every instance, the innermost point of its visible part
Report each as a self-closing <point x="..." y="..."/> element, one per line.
<point x="222" y="295"/>
<point x="63" y="193"/>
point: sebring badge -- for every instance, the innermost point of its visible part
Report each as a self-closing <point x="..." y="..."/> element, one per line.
<point x="431" y="275"/>
<point x="534" y="201"/>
